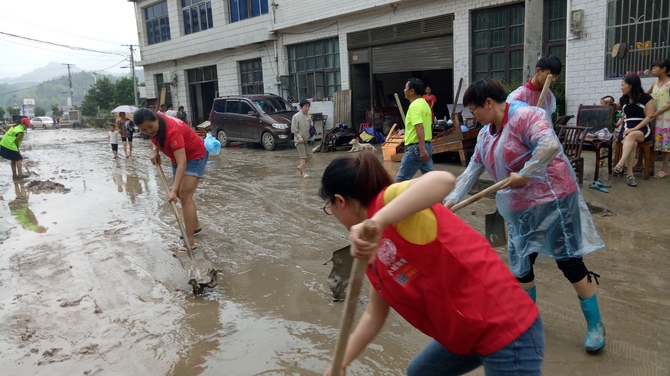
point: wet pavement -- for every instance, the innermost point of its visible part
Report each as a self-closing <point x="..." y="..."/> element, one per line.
<point x="88" y="284"/>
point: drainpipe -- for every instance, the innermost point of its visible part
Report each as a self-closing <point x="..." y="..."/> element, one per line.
<point x="568" y="17"/>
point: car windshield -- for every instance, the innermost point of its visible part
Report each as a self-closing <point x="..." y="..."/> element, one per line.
<point x="273" y="105"/>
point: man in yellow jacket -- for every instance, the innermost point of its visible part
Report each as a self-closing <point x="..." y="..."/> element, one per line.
<point x="10" y="144"/>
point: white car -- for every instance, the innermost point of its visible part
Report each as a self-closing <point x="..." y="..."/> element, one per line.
<point x="43" y="121"/>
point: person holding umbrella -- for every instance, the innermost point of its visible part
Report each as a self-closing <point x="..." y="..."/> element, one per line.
<point x="126" y="129"/>
<point x="542" y="204"/>
<point x="188" y="155"/>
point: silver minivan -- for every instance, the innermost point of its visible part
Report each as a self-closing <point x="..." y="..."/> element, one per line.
<point x="259" y="118"/>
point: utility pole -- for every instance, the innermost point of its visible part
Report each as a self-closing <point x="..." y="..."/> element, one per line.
<point x="132" y="67"/>
<point x="69" y="75"/>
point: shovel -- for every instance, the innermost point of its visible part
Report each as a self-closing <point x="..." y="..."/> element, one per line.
<point x="356" y="281"/>
<point x="201" y="272"/>
<point x="494" y="223"/>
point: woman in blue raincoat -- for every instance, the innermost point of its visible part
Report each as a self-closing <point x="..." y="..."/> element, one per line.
<point x="542" y="204"/>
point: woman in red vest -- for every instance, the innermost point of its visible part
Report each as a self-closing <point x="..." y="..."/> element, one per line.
<point x="437" y="272"/>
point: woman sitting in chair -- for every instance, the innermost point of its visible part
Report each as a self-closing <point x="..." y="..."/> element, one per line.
<point x="638" y="110"/>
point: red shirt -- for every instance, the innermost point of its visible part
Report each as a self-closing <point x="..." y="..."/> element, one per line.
<point x="455" y="289"/>
<point x="178" y="135"/>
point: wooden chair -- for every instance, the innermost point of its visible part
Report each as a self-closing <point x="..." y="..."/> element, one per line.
<point x="561" y="121"/>
<point x="595" y="118"/>
<point x="647" y="151"/>
<point x="572" y="139"/>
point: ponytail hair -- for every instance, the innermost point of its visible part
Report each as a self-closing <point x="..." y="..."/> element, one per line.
<point x="361" y="178"/>
<point x="145" y="114"/>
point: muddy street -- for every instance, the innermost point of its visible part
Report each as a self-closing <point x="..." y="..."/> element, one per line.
<point x="88" y="284"/>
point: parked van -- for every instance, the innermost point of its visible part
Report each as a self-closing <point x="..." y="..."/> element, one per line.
<point x="260" y="118"/>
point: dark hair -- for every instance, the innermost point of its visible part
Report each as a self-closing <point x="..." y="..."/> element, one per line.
<point x="608" y="96"/>
<point x="480" y="90"/>
<point x="180" y="108"/>
<point x="417" y="85"/>
<point x="636" y="91"/>
<point x="663" y="63"/>
<point x="145" y="114"/>
<point x="360" y="178"/>
<point x="550" y="62"/>
<point x="303" y="102"/>
<point x="170" y="105"/>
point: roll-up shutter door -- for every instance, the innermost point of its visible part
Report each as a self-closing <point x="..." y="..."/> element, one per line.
<point x="416" y="55"/>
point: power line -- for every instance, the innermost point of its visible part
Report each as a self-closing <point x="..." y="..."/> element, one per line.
<point x="62" y="45"/>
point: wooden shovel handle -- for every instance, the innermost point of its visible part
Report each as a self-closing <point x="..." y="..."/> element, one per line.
<point x="353" y="292"/>
<point x="458" y="92"/>
<point x="187" y="244"/>
<point x="545" y="88"/>
<point x="492" y="189"/>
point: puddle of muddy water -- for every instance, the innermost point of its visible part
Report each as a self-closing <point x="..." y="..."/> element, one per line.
<point x="108" y="247"/>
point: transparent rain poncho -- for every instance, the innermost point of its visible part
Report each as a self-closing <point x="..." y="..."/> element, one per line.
<point x="547" y="215"/>
<point x="525" y="94"/>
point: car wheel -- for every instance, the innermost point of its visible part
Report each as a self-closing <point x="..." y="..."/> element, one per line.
<point x="223" y="139"/>
<point x="268" y="141"/>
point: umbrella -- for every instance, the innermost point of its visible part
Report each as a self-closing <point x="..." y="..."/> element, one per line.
<point x="125" y="108"/>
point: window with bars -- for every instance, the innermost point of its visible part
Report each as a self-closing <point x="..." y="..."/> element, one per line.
<point x="497" y="36"/>
<point x="160" y="85"/>
<point x="251" y="76"/>
<point x="644" y="27"/>
<point x="554" y="30"/>
<point x="197" y="15"/>
<point x="157" y="23"/>
<point x="314" y="69"/>
<point x="243" y="9"/>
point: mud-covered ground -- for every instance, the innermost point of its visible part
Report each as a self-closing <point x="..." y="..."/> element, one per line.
<point x="88" y="285"/>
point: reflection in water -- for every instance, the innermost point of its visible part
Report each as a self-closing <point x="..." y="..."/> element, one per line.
<point x="118" y="180"/>
<point x="133" y="187"/>
<point x="19" y="208"/>
<point x="202" y="329"/>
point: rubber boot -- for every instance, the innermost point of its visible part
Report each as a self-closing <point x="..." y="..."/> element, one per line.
<point x="532" y="292"/>
<point x="595" y="329"/>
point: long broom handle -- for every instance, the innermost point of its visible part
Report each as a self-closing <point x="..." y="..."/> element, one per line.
<point x="545" y="88"/>
<point x="187" y="244"/>
<point x="353" y="292"/>
<point x="492" y="189"/>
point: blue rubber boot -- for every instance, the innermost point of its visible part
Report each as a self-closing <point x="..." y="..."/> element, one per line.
<point x="532" y="292"/>
<point x="595" y="329"/>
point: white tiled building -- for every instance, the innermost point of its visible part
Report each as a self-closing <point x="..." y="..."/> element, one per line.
<point x="200" y="49"/>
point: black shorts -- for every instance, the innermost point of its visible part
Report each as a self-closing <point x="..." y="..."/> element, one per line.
<point x="11" y="155"/>
<point x="115" y="147"/>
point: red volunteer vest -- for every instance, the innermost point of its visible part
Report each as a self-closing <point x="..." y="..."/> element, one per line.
<point x="455" y="289"/>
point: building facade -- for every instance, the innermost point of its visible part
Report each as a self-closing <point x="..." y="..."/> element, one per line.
<point x="193" y="51"/>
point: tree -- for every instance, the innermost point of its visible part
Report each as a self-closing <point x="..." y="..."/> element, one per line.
<point x="56" y="110"/>
<point x="123" y="92"/>
<point x="39" y="111"/>
<point x="2" y="112"/>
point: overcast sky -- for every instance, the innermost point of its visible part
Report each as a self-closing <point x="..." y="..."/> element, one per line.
<point x="101" y="25"/>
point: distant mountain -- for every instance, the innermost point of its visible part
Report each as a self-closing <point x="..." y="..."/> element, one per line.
<point x="48" y="72"/>
<point x="56" y="70"/>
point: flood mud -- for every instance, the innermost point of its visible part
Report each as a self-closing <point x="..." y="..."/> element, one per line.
<point x="88" y="284"/>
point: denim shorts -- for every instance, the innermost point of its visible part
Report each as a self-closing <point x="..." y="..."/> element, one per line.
<point x="194" y="167"/>
<point x="523" y="356"/>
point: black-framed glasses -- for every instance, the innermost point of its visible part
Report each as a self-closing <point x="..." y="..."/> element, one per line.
<point x="472" y="110"/>
<point x="326" y="208"/>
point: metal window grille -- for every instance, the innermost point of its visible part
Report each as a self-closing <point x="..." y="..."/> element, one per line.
<point x="497" y="35"/>
<point x="197" y="15"/>
<point x="157" y="23"/>
<point x="243" y="9"/>
<point x="638" y="34"/>
<point x="314" y="69"/>
<point x="251" y="76"/>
